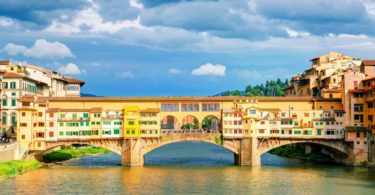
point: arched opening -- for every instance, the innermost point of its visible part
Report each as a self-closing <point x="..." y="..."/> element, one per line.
<point x="190" y="123"/>
<point x="188" y="153"/>
<point x="302" y="153"/>
<point x="83" y="155"/>
<point x="211" y="124"/>
<point x="169" y="123"/>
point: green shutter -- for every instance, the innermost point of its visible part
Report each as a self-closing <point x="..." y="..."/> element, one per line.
<point x="13" y="119"/>
<point x="4" y="102"/>
<point x="13" y="102"/>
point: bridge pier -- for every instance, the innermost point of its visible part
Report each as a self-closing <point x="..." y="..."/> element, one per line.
<point x="248" y="154"/>
<point x="131" y="154"/>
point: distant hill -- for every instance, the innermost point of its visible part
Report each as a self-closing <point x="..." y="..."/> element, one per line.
<point x="88" y="95"/>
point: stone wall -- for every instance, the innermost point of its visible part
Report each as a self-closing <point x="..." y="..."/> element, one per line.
<point x="8" y="152"/>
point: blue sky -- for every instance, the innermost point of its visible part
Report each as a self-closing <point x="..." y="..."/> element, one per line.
<point x="181" y="48"/>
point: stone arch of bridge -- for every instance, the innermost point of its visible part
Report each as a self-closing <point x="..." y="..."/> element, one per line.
<point x="150" y="148"/>
<point x="335" y="145"/>
<point x="112" y="145"/>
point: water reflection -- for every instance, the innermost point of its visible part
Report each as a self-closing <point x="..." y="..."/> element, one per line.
<point x="103" y="175"/>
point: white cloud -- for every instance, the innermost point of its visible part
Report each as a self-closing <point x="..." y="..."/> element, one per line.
<point x="125" y="74"/>
<point x="71" y="69"/>
<point x="136" y="4"/>
<point x="13" y="49"/>
<point x="174" y="71"/>
<point x="294" y="33"/>
<point x="5" y="22"/>
<point x="209" y="69"/>
<point x="91" y="20"/>
<point x="40" y="49"/>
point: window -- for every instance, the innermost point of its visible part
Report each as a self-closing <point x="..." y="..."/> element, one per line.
<point x="51" y="134"/>
<point x="23" y="136"/>
<point x="85" y="115"/>
<point x="23" y="114"/>
<point x="51" y="115"/>
<point x="131" y="123"/>
<point x="358" y="118"/>
<point x="253" y="111"/>
<point x="61" y="133"/>
<point x="169" y="107"/>
<point x="116" y="131"/>
<point x="4" y="118"/>
<point x="61" y="124"/>
<point x="74" y="116"/>
<point x="62" y="115"/>
<point x="5" y="102"/>
<point x="40" y="135"/>
<point x="40" y="114"/>
<point x="358" y="95"/>
<point x="23" y="124"/>
<point x="12" y="85"/>
<point x="51" y="124"/>
<point x="26" y="104"/>
<point x="14" y="102"/>
<point x="358" y="107"/>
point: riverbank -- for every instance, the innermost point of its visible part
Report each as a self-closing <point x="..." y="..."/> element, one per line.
<point x="15" y="167"/>
<point x="66" y="154"/>
<point x="292" y="151"/>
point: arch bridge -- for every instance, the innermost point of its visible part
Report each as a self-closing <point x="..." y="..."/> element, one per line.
<point x="247" y="151"/>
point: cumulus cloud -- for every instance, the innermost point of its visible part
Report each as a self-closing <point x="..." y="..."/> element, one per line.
<point x="293" y="33"/>
<point x="136" y="4"/>
<point x="174" y="71"/>
<point x="90" y="20"/>
<point x="41" y="49"/>
<point x="70" y="69"/>
<point x="209" y="69"/>
<point x="125" y="74"/>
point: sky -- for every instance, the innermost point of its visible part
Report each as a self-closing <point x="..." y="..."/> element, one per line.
<point x="181" y="47"/>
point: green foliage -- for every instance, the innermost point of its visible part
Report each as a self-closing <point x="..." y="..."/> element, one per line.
<point x="219" y="139"/>
<point x="14" y="167"/>
<point x="66" y="154"/>
<point x="271" y="88"/>
<point x="295" y="151"/>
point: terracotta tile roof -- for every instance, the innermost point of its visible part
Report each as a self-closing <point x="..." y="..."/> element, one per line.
<point x="151" y="110"/>
<point x="368" y="62"/>
<point x="372" y="77"/>
<point x="73" y="80"/>
<point x="23" y="108"/>
<point x="96" y="109"/>
<point x="53" y="110"/>
<point x="356" y="90"/>
<point x="339" y="90"/>
<point x="4" y="62"/>
<point x="12" y="75"/>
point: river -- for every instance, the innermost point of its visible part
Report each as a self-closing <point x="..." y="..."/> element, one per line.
<point x="192" y="168"/>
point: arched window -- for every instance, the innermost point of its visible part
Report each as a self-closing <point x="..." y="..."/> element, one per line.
<point x="14" y="118"/>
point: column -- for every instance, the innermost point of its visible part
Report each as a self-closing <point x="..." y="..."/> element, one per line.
<point x="132" y="152"/>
